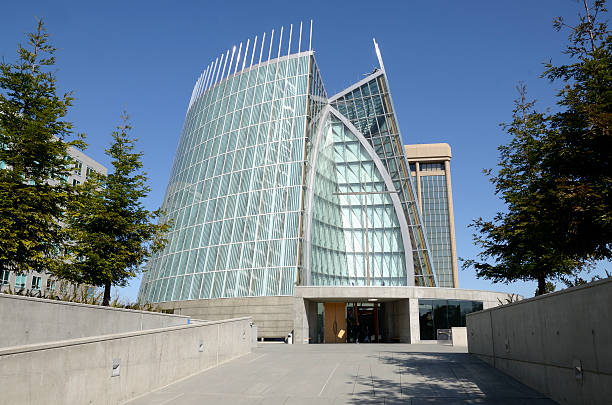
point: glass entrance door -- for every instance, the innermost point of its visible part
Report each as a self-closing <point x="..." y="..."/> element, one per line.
<point x="363" y="322"/>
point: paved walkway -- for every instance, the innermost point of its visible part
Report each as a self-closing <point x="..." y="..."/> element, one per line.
<point x="349" y="374"/>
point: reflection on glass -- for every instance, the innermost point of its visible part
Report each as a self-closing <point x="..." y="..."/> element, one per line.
<point x="443" y="314"/>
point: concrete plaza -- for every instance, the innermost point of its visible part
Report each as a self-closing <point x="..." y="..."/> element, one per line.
<point x="349" y="374"/>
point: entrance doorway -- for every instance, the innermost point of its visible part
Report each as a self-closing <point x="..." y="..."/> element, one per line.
<point x="363" y="319"/>
<point x="335" y="322"/>
<point x="350" y="322"/>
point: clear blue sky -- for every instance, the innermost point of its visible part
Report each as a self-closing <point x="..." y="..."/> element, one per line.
<point x="452" y="66"/>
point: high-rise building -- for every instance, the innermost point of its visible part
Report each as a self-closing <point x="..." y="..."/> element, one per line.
<point x="430" y="168"/>
<point x="279" y="191"/>
<point x="43" y="282"/>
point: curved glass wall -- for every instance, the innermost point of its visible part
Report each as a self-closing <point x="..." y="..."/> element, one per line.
<point x="245" y="221"/>
<point x="368" y="107"/>
<point x="355" y="237"/>
<point x="235" y="188"/>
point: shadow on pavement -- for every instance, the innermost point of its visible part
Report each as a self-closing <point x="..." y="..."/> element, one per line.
<point x="439" y="378"/>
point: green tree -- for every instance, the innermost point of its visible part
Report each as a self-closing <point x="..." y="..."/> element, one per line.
<point x="33" y="157"/>
<point x="112" y="233"/>
<point x="578" y="154"/>
<point x="520" y="241"/>
<point x="555" y="176"/>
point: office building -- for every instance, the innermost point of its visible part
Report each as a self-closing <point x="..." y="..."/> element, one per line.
<point x="42" y="282"/>
<point x="430" y="169"/>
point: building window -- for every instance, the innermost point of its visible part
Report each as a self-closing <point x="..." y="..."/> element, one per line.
<point x="443" y="314"/>
<point x="20" y="281"/>
<point x="75" y="182"/>
<point x="5" y="277"/>
<point x="412" y="167"/>
<point x="50" y="284"/>
<point x="432" y="167"/>
<point x="89" y="171"/>
<point x="36" y="283"/>
<point x="78" y="166"/>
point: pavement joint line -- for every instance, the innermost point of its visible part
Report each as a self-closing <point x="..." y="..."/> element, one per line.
<point x="356" y="377"/>
<point x="399" y="371"/>
<point x="372" y="379"/>
<point x="256" y="358"/>
<point x="328" y="378"/>
<point x="172" y="399"/>
<point x="229" y="394"/>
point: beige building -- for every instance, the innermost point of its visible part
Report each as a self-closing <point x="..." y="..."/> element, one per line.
<point x="430" y="167"/>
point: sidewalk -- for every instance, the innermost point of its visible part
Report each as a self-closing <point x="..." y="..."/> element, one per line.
<point x="349" y="374"/>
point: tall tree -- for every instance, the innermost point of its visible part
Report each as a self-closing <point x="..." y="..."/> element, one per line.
<point x="578" y="154"/>
<point x="111" y="231"/>
<point x="33" y="157"/>
<point x="520" y="240"/>
<point x="555" y="175"/>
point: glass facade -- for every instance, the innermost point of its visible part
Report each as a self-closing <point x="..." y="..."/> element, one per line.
<point x="235" y="188"/>
<point x="434" y="202"/>
<point x="356" y="237"/>
<point x="275" y="185"/>
<point x="369" y="108"/>
<point x="443" y="314"/>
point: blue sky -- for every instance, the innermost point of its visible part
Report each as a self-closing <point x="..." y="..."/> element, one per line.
<point x="452" y="66"/>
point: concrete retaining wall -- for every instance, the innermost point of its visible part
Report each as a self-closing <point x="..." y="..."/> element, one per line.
<point x="273" y="315"/>
<point x="79" y="371"/>
<point x="27" y="320"/>
<point x="559" y="344"/>
<point x="459" y="335"/>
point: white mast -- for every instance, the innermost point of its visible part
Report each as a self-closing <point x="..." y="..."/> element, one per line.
<point x="380" y="61"/>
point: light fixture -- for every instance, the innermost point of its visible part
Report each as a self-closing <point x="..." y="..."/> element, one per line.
<point x="372" y="299"/>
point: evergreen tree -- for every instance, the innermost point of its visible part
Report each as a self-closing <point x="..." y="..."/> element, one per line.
<point x="112" y="233"/>
<point x="555" y="174"/>
<point x="578" y="155"/>
<point x="521" y="240"/>
<point x="33" y="157"/>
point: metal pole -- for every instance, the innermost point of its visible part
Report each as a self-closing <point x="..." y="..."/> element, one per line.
<point x="246" y="53"/>
<point x="310" y="40"/>
<point x="367" y="239"/>
<point x="300" y="40"/>
<point x="376" y="324"/>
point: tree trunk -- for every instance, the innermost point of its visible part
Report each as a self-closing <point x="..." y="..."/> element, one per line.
<point x="107" y="292"/>
<point x="541" y="285"/>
